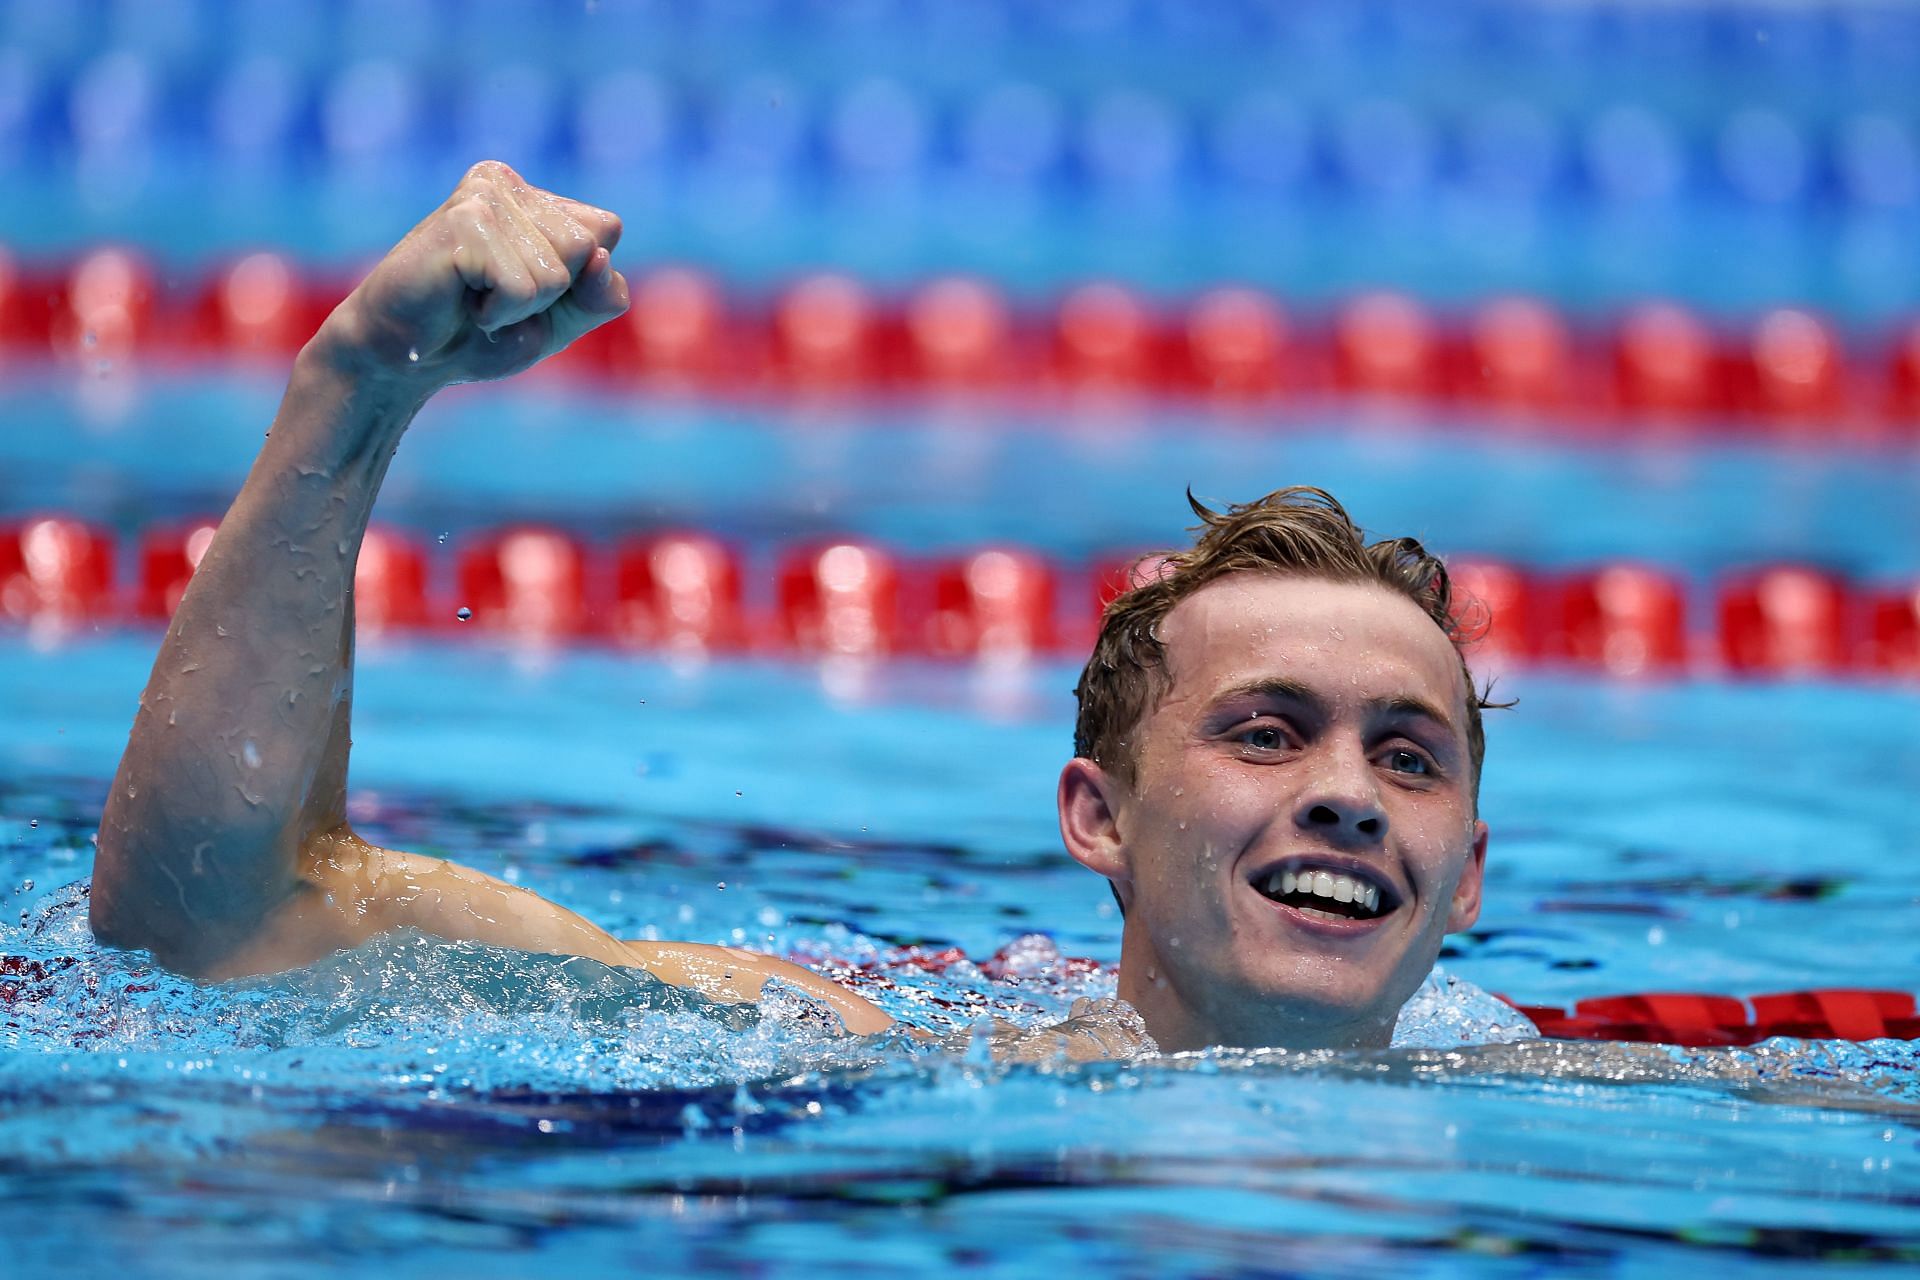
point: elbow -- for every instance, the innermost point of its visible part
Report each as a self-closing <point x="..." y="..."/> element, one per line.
<point x="106" y="913"/>
<point x="120" y="929"/>
<point x="113" y="923"/>
<point x="109" y="928"/>
<point x="138" y="902"/>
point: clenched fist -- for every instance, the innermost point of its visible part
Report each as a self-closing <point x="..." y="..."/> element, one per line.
<point x="498" y="278"/>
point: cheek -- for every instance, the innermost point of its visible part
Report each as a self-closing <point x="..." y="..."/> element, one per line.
<point x="1437" y="840"/>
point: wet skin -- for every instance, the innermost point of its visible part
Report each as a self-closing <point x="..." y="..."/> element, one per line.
<point x="1306" y="723"/>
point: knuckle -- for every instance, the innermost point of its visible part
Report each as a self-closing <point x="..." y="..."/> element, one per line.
<point x="472" y="209"/>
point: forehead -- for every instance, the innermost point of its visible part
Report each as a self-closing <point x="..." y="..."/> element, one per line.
<point x="1345" y="639"/>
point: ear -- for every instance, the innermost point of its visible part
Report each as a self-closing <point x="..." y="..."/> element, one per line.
<point x="1089" y="822"/>
<point x="1466" y="894"/>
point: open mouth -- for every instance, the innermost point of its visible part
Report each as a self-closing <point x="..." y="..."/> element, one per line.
<point x="1325" y="893"/>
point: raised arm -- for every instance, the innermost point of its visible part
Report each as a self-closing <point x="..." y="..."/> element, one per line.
<point x="224" y="843"/>
<point x="224" y="846"/>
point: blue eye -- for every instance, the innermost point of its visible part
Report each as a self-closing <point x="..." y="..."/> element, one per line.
<point x="1263" y="738"/>
<point x="1405" y="761"/>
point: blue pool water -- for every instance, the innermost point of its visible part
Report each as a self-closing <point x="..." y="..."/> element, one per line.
<point x="418" y="1108"/>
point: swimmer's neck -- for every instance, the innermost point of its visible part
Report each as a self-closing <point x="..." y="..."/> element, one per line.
<point x="1178" y="1026"/>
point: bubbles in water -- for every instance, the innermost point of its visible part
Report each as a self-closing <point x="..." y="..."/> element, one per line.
<point x="442" y="539"/>
<point x="463" y="613"/>
<point x="33" y="822"/>
<point x="413" y="355"/>
<point x="1448" y="1010"/>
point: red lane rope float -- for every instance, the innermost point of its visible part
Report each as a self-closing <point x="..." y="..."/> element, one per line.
<point x="1387" y="345"/>
<point x="528" y="582"/>
<point x="958" y="335"/>
<point x="1789" y="371"/>
<point x="1240" y="345"/>
<point x="1519" y="354"/>
<point x="107" y="309"/>
<point x="1786" y="619"/>
<point x="687" y="592"/>
<point x="1666" y="364"/>
<point x="56" y="569"/>
<point x="1703" y="1020"/>
<point x="1626" y="620"/>
<point x="389" y="583"/>
<point x="996" y="603"/>
<point x="679" y="592"/>
<point x="839" y="599"/>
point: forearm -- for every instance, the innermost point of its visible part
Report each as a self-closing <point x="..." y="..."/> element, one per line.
<point x="226" y="772"/>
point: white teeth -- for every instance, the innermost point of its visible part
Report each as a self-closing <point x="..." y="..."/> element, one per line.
<point x="1325" y="884"/>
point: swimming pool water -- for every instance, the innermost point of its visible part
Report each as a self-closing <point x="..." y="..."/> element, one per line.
<point x="135" y="446"/>
<point x="419" y="1107"/>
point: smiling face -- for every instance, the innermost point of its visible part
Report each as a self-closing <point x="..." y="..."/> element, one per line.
<point x="1311" y="746"/>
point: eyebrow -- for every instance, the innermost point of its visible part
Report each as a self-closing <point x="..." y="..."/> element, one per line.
<point x="1284" y="690"/>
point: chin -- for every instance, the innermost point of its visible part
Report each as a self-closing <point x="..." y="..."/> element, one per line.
<point x="1299" y="1008"/>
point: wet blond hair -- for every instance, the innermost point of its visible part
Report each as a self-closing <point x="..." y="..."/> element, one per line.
<point x="1296" y="532"/>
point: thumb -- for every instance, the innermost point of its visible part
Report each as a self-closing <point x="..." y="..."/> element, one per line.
<point x="599" y="294"/>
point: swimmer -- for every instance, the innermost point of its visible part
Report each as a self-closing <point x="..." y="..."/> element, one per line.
<point x="1277" y="754"/>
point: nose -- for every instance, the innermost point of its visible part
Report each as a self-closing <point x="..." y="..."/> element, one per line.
<point x="1341" y="802"/>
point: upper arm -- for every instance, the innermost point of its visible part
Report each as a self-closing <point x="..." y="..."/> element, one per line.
<point x="350" y="891"/>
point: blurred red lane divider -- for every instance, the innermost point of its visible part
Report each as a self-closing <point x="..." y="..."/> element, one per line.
<point x="1788" y="371"/>
<point x="687" y="592"/>
<point x="1697" y="1019"/>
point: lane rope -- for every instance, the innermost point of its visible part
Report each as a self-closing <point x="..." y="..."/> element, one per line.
<point x="690" y="592"/>
<point x="1787" y="372"/>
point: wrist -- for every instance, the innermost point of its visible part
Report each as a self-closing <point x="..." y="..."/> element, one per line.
<point x="339" y="409"/>
<point x="349" y="351"/>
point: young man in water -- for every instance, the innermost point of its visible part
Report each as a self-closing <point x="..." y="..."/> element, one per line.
<point x="1278" y="747"/>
